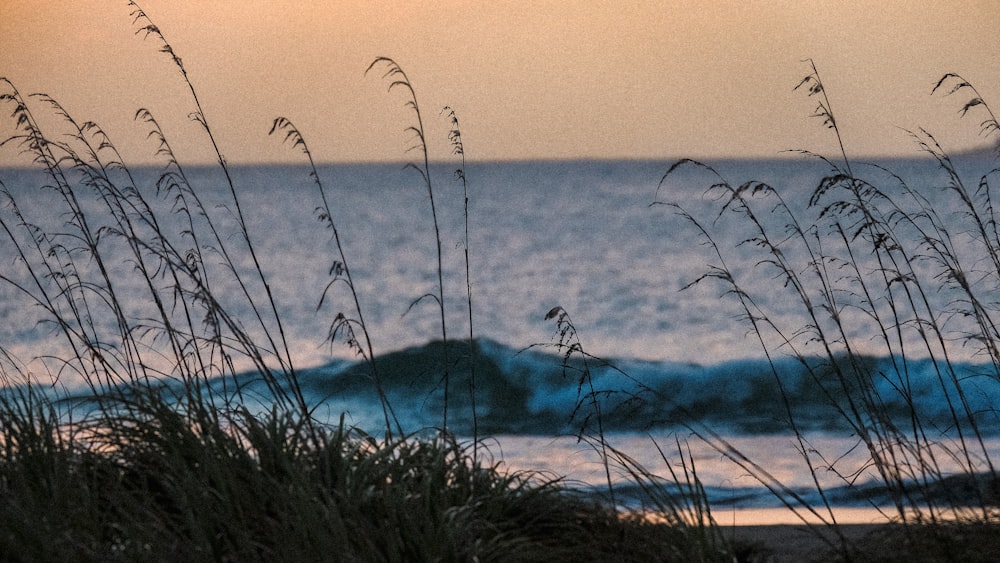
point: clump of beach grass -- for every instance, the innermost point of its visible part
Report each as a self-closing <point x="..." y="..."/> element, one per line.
<point x="142" y="435"/>
<point x="876" y="270"/>
<point x="159" y="478"/>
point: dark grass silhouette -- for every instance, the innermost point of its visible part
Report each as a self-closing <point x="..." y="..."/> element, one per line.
<point x="168" y="454"/>
<point x="869" y="255"/>
<point x="398" y="80"/>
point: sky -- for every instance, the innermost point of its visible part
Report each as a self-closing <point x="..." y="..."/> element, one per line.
<point x="528" y="79"/>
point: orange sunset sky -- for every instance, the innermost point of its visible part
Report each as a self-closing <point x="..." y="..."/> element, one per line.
<point x="529" y="79"/>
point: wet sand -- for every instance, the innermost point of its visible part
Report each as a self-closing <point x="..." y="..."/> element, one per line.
<point x="787" y="543"/>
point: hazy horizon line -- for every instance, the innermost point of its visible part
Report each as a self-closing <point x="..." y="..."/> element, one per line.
<point x="987" y="149"/>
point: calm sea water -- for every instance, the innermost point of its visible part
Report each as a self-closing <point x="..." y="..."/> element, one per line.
<point x="579" y="235"/>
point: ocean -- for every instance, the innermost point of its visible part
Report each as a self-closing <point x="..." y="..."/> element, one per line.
<point x="669" y="362"/>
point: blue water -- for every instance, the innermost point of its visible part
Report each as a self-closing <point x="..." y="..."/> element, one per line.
<point x="579" y="235"/>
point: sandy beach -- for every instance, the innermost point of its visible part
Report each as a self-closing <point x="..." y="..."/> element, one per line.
<point x="786" y="543"/>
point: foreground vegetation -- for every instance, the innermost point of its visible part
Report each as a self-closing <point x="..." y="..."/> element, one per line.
<point x="137" y="470"/>
<point x="152" y="480"/>
<point x="878" y="268"/>
<point x="167" y="455"/>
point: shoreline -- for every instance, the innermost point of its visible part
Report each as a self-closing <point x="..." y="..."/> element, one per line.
<point x="781" y="516"/>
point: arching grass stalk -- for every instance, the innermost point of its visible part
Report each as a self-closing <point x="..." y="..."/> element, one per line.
<point x="278" y="344"/>
<point x="955" y="83"/>
<point x="824" y="110"/>
<point x="458" y="148"/>
<point x="341" y="272"/>
<point x="398" y="80"/>
<point x="570" y="347"/>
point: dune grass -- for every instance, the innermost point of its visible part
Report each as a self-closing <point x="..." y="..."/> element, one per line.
<point x="160" y="300"/>
<point x="878" y="268"/>
<point x="152" y="479"/>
